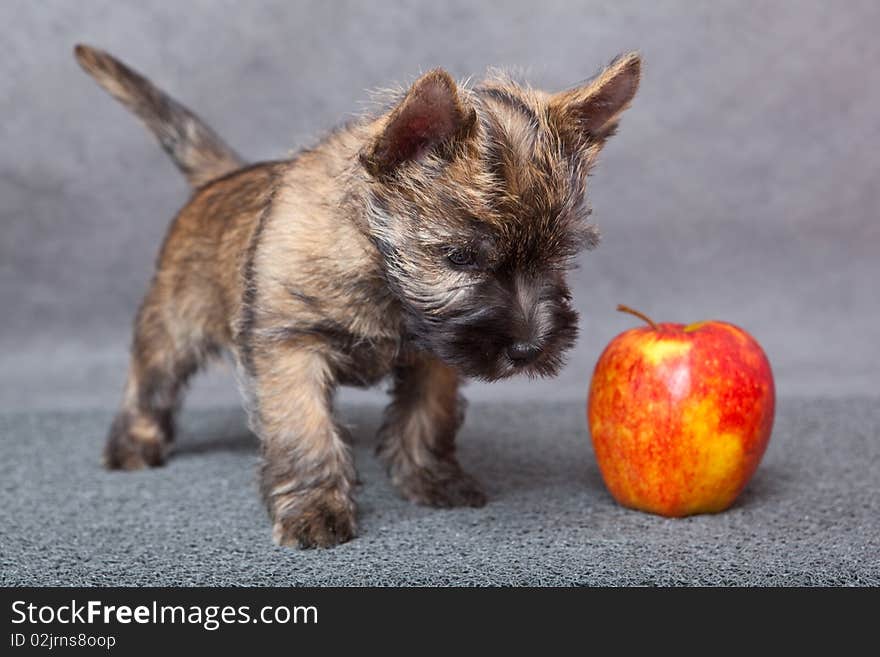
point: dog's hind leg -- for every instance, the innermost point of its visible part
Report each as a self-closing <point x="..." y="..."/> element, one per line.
<point x="167" y="349"/>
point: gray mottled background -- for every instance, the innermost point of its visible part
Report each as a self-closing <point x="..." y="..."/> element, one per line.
<point x="742" y="185"/>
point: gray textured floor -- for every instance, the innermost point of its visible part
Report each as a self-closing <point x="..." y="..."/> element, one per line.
<point x="810" y="515"/>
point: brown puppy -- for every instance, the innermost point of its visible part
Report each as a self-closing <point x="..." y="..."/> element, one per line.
<point x="428" y="243"/>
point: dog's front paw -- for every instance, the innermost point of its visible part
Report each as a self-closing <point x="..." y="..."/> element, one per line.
<point x="322" y="522"/>
<point x="446" y="485"/>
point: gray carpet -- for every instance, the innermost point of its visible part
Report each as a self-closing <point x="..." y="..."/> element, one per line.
<point x="809" y="517"/>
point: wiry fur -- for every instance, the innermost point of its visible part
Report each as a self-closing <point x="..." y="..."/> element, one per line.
<point x="428" y="242"/>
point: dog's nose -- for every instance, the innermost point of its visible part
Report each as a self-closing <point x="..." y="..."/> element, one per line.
<point x="522" y="353"/>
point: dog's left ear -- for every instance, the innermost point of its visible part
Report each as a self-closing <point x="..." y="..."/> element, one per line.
<point x="430" y="116"/>
<point x="589" y="114"/>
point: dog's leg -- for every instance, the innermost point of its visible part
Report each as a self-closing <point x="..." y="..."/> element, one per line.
<point x="417" y="437"/>
<point x="164" y="354"/>
<point x="307" y="471"/>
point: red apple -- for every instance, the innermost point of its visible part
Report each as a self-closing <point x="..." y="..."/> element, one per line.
<point x="680" y="416"/>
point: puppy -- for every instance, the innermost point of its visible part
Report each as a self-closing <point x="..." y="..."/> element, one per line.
<point x="428" y="243"/>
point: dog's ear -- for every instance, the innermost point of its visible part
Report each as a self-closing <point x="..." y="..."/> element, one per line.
<point x="590" y="113"/>
<point x="429" y="117"/>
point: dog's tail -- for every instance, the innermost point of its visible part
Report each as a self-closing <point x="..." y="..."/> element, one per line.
<point x="196" y="149"/>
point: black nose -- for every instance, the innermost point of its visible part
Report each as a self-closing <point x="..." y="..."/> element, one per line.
<point x="523" y="353"/>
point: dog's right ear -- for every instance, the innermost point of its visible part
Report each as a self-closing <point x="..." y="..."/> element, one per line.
<point x="430" y="117"/>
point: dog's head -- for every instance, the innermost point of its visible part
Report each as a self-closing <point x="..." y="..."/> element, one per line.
<point x="477" y="205"/>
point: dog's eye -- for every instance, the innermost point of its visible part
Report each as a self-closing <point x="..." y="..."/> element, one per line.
<point x="461" y="258"/>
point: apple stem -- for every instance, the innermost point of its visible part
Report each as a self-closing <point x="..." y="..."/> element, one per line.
<point x="642" y="316"/>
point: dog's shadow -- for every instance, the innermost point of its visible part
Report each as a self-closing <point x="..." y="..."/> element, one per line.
<point x="206" y="432"/>
<point x="509" y="449"/>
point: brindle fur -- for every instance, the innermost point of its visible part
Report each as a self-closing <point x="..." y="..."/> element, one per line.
<point x="428" y="243"/>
